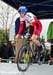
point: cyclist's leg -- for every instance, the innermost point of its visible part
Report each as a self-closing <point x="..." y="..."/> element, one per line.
<point x="19" y="42"/>
<point x="37" y="42"/>
<point x="34" y="40"/>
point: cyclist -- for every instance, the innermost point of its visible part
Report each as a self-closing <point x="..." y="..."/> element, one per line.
<point x="27" y="20"/>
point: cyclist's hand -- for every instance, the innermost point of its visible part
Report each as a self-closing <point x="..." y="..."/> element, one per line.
<point x="17" y="36"/>
<point x="33" y="36"/>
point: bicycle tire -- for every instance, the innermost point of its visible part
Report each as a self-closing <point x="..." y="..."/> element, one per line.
<point x="22" y="50"/>
<point x="43" y="55"/>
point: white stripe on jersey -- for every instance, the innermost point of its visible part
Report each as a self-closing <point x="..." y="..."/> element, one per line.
<point x="29" y="18"/>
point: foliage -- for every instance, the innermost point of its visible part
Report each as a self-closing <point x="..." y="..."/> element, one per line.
<point x="3" y="36"/>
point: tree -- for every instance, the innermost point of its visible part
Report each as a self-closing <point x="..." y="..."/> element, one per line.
<point x="7" y="15"/>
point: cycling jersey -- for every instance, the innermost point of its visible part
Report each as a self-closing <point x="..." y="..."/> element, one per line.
<point x="30" y="19"/>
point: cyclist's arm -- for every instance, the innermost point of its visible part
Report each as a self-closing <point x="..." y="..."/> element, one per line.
<point x="34" y="25"/>
<point x="21" y="28"/>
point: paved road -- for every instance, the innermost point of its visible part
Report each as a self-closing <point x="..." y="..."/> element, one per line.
<point x="35" y="69"/>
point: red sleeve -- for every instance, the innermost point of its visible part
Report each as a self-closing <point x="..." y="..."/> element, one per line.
<point x="21" y="28"/>
<point x="34" y="25"/>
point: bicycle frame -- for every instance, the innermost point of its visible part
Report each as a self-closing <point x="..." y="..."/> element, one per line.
<point x="27" y="47"/>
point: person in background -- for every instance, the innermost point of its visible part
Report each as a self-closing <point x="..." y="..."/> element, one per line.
<point x="50" y="39"/>
<point x="6" y="50"/>
<point x="25" y="21"/>
<point x="13" y="47"/>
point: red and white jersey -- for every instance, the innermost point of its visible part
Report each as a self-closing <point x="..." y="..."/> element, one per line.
<point x="30" y="19"/>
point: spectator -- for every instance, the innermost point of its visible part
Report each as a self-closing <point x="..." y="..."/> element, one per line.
<point x="6" y="51"/>
<point x="50" y="39"/>
<point x="13" y="47"/>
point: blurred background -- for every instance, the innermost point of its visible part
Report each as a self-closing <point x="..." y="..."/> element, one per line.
<point x="8" y="14"/>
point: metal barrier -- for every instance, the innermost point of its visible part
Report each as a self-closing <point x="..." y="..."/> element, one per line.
<point x="10" y="60"/>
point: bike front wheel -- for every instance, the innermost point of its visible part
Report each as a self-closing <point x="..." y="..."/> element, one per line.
<point x="24" y="56"/>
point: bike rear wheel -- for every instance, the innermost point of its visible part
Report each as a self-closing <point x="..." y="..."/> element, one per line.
<point x="42" y="55"/>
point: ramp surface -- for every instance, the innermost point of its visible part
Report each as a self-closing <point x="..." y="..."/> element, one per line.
<point x="35" y="69"/>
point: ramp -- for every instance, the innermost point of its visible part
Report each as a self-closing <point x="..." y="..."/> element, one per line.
<point x="34" y="69"/>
